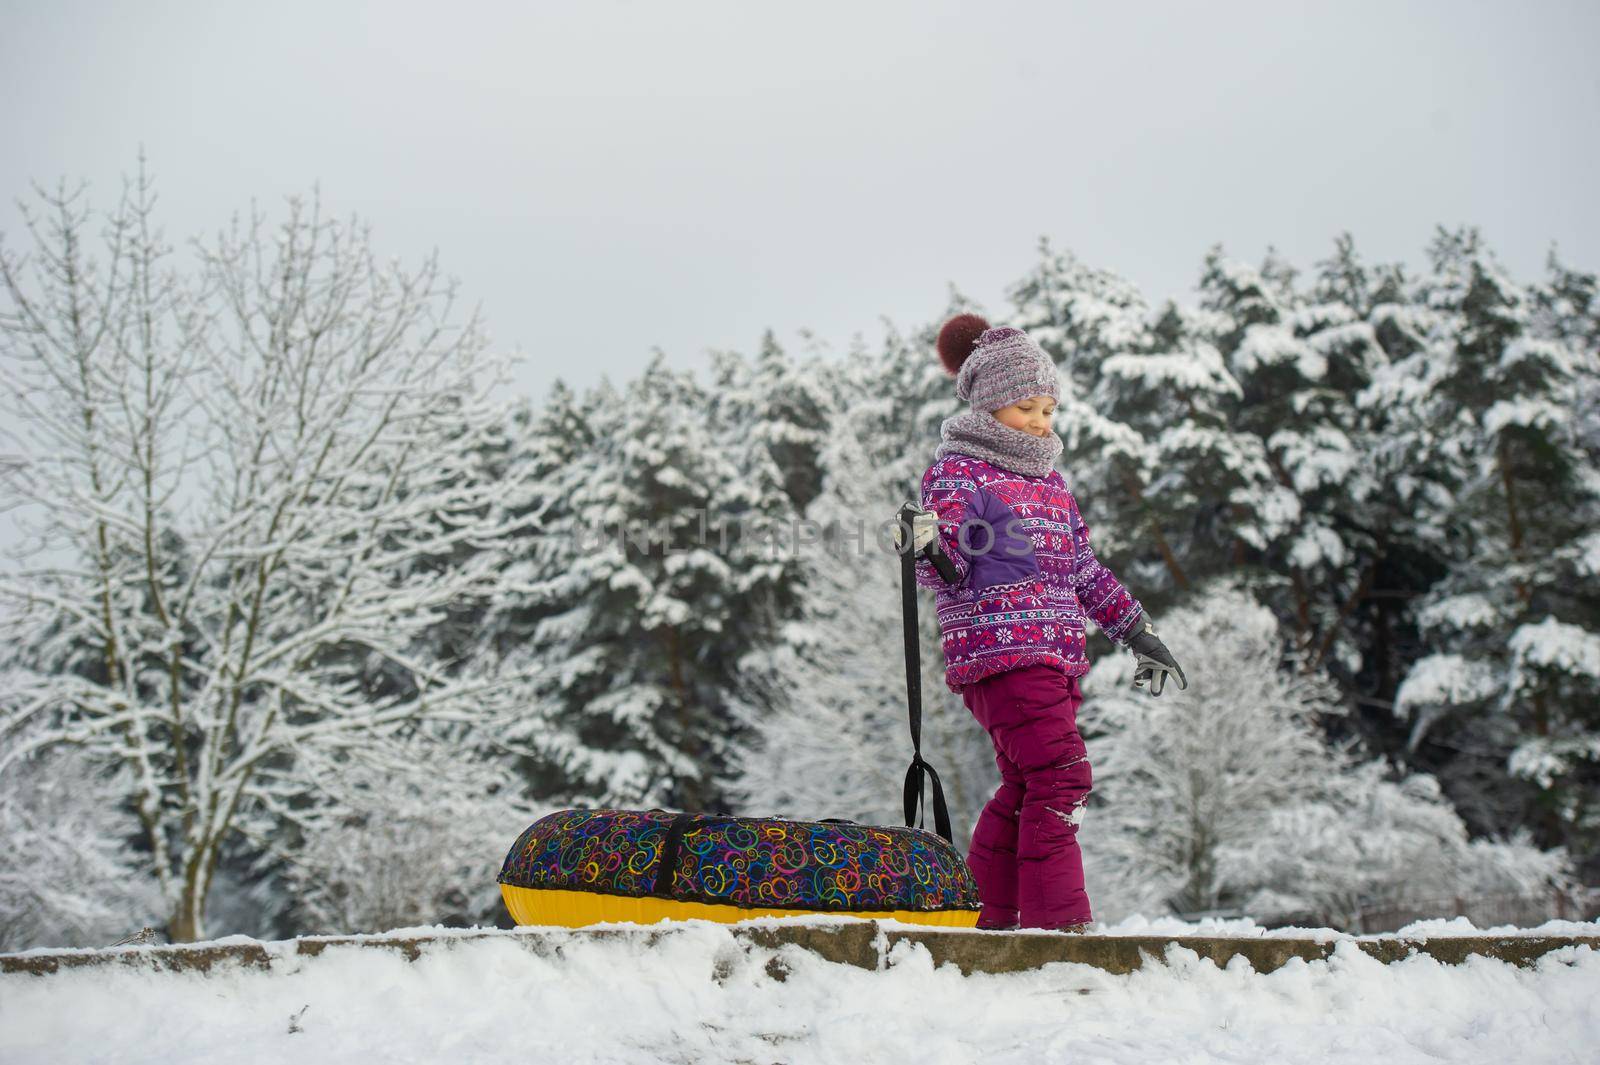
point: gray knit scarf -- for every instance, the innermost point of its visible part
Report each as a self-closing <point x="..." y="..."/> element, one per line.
<point x="982" y="435"/>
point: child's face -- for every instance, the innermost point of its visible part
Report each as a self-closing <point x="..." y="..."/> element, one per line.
<point x="1031" y="415"/>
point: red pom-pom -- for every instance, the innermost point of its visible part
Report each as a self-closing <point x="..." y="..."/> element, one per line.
<point x="956" y="339"/>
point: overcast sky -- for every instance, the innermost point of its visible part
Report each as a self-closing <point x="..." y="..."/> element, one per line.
<point x="609" y="177"/>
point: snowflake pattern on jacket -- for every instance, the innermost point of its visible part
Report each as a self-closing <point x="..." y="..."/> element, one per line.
<point x="1021" y="597"/>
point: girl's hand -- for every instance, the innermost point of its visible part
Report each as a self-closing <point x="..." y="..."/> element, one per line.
<point x="925" y="540"/>
<point x="924" y="529"/>
<point x="1154" y="663"/>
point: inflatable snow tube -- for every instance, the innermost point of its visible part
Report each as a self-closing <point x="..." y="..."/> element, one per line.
<point x="580" y="867"/>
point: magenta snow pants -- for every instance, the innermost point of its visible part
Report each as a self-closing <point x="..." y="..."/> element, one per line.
<point x="1024" y="851"/>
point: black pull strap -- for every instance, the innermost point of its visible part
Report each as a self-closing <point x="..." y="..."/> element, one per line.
<point x="919" y="768"/>
<point x="667" y="867"/>
<point x="941" y="814"/>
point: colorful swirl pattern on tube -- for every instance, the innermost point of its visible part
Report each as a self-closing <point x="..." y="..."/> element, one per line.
<point x="742" y="861"/>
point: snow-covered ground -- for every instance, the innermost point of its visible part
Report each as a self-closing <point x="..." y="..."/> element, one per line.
<point x="701" y="996"/>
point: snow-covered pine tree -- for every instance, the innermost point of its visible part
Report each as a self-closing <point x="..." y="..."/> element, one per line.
<point x="536" y="630"/>
<point x="1304" y="362"/>
<point x="1512" y="673"/>
<point x="780" y="403"/>
<point x="1324" y="531"/>
<point x="773" y="416"/>
<point x="771" y="419"/>
<point x="1079" y="314"/>
<point x="1361" y="551"/>
<point x="1299" y="399"/>
<point x="1163" y="418"/>
<point x="667" y="581"/>
<point x="824" y="742"/>
<point x="576" y="602"/>
<point x="1087" y="318"/>
<point x="1249" y="320"/>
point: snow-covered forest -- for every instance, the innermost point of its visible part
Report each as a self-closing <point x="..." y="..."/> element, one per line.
<point x="312" y="617"/>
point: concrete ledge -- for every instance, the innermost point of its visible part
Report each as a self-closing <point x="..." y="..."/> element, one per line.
<point x="1009" y="952"/>
<point x="864" y="944"/>
<point x="1005" y="952"/>
<point x="173" y="957"/>
<point x="1453" y="950"/>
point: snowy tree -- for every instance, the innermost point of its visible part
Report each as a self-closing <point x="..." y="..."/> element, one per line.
<point x="238" y="485"/>
<point x="1165" y="418"/>
<point x="1251" y="324"/>
<point x="779" y="404"/>
<point x="1226" y="794"/>
<point x="1081" y="315"/>
<point x="374" y="853"/>
<point x="1179" y="780"/>
<point x="771" y="418"/>
<point x="828" y="739"/>
<point x="1511" y="673"/>
<point x="1092" y="323"/>
<point x="69" y="874"/>
<point x="1365" y="547"/>
<point x="659" y="574"/>
<point x="1300" y="368"/>
<point x="1380" y="842"/>
<point x="536" y="628"/>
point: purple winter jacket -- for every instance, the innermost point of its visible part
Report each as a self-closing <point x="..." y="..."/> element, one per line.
<point x="1021" y="596"/>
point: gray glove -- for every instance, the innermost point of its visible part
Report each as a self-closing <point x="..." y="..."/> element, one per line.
<point x="1154" y="663"/>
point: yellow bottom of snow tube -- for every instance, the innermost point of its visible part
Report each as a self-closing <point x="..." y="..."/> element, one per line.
<point x="575" y="909"/>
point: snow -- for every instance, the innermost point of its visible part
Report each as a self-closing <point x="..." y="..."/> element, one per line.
<point x="1468" y="610"/>
<point x="1317" y="545"/>
<point x="1233" y="927"/>
<point x="1269" y="345"/>
<point x="1522" y="412"/>
<point x="1544" y="758"/>
<point x="1444" y="679"/>
<point x="1198" y="368"/>
<point x="1588" y="555"/>
<point x="1557" y="645"/>
<point x="1554" y="356"/>
<point x="1331" y="338"/>
<point x="1324" y="456"/>
<point x="699" y="995"/>
<point x="1435" y="927"/>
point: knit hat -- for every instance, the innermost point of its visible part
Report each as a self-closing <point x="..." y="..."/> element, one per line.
<point x="995" y="368"/>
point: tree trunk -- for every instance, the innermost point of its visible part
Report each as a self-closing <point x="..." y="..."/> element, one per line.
<point x="1179" y="579"/>
<point x="1344" y="614"/>
<point x="1302" y="610"/>
<point x="689" y="791"/>
<point x="188" y="918"/>
<point x="1513" y="520"/>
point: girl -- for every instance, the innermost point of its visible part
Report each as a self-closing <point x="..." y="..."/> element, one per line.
<point x="1012" y="623"/>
